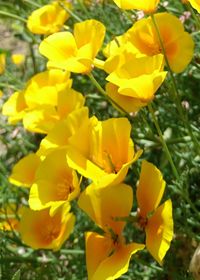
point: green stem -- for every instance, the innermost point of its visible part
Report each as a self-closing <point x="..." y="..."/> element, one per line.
<point x="33" y="3"/>
<point x="175" y="89"/>
<point x="102" y="91"/>
<point x="163" y="141"/>
<point x="194" y="15"/>
<point x="33" y="58"/>
<point x="83" y="8"/>
<point x="77" y="18"/>
<point x="9" y="86"/>
<point x="7" y="14"/>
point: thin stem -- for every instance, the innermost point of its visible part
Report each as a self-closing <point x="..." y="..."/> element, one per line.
<point x="77" y="18"/>
<point x="195" y="17"/>
<point x="33" y="58"/>
<point x="102" y="91"/>
<point x="163" y="141"/>
<point x="83" y="8"/>
<point x="175" y="89"/>
<point x="33" y="3"/>
<point x="7" y="14"/>
<point x="9" y="86"/>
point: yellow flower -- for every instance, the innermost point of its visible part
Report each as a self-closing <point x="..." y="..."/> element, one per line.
<point x="2" y="62"/>
<point x="62" y="131"/>
<point x="102" y="150"/>
<point x="76" y="52"/>
<point x="148" y="6"/>
<point x="43" y="88"/>
<point x="46" y="230"/>
<point x="156" y="220"/>
<point x="1" y="93"/>
<point x="195" y="4"/>
<point x="46" y="99"/>
<point x="23" y="172"/>
<point x="178" y="44"/>
<point x="48" y="19"/>
<point x="55" y="183"/>
<point x="108" y="255"/>
<point x="18" y="58"/>
<point x="134" y="79"/>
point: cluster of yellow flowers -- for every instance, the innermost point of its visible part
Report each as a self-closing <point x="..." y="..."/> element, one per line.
<point x="77" y="145"/>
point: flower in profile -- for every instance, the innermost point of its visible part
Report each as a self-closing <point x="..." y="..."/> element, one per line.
<point x="2" y="62"/>
<point x="18" y="58"/>
<point x="102" y="150"/>
<point x="134" y="79"/>
<point x="148" y="6"/>
<point x="15" y="107"/>
<point x="157" y="221"/>
<point x="23" y="172"/>
<point x="48" y="19"/>
<point x="46" y="99"/>
<point x="55" y="182"/>
<point x="178" y="44"/>
<point x="74" y="52"/>
<point x="46" y="229"/>
<point x="108" y="255"/>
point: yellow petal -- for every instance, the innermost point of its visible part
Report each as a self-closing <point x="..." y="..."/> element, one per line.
<point x="40" y="230"/>
<point x="129" y="104"/>
<point x="40" y="120"/>
<point x="147" y="6"/>
<point x="63" y="130"/>
<point x="43" y="88"/>
<point x="59" y="47"/>
<point x="2" y="62"/>
<point x="159" y="231"/>
<point x="195" y="4"/>
<point x="103" y="266"/>
<point x="47" y="19"/>
<point x="69" y="100"/>
<point x="96" y="243"/>
<point x="177" y="43"/>
<point x="104" y="204"/>
<point x="15" y="107"/>
<point x="89" y="33"/>
<point x="23" y="173"/>
<point x="18" y="58"/>
<point x="54" y="181"/>
<point x="150" y="189"/>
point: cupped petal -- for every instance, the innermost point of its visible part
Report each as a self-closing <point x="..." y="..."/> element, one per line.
<point x="55" y="182"/>
<point x="41" y="119"/>
<point x="116" y="264"/>
<point x="15" y="107"/>
<point x="98" y="248"/>
<point x="40" y="230"/>
<point x="103" y="205"/>
<point x="63" y="130"/>
<point x="159" y="231"/>
<point x="69" y="100"/>
<point x="23" y="172"/>
<point x="59" y="47"/>
<point x="89" y="33"/>
<point x="150" y="188"/>
<point x="129" y="104"/>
